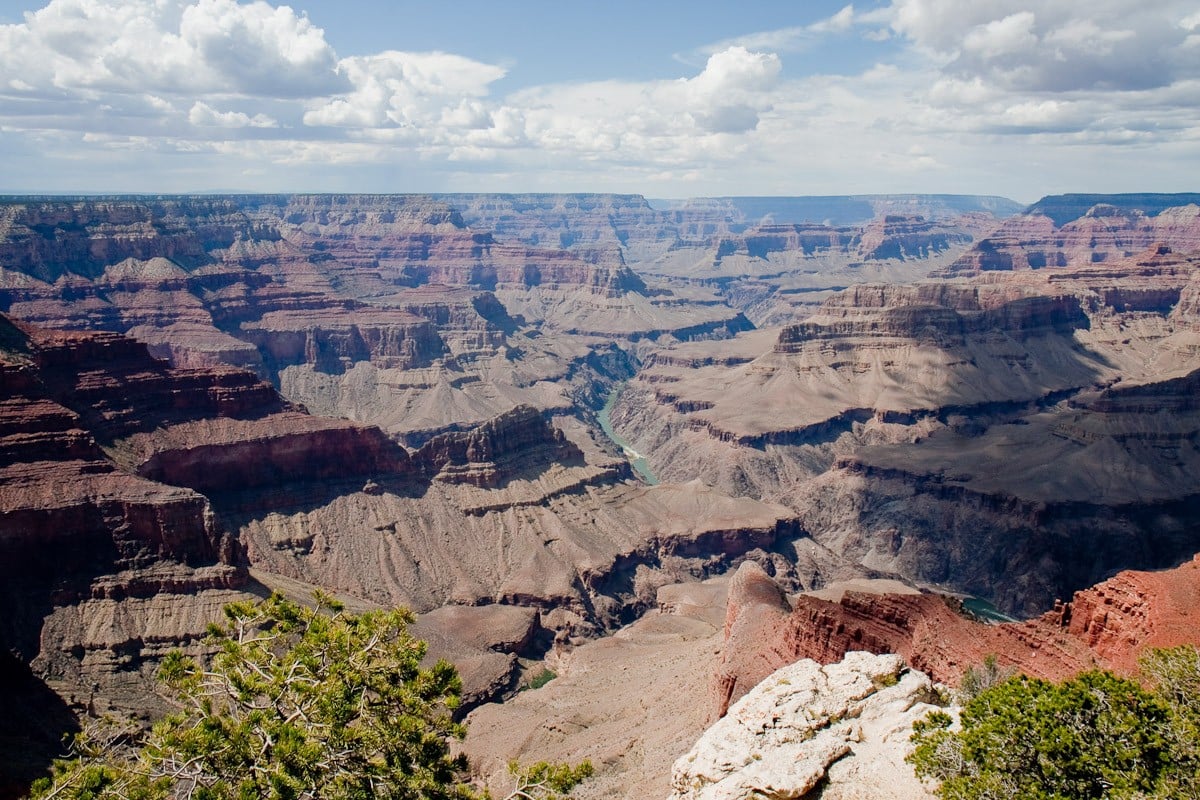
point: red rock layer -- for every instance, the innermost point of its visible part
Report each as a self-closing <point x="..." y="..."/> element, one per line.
<point x="1107" y="626"/>
<point x="210" y="429"/>
<point x="68" y="514"/>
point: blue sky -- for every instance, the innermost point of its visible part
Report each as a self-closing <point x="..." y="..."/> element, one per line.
<point x="668" y="99"/>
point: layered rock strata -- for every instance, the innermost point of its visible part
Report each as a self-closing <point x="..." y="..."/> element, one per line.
<point x="102" y="570"/>
<point x="386" y="309"/>
<point x="1106" y="626"/>
<point x="1049" y="237"/>
<point x="915" y="427"/>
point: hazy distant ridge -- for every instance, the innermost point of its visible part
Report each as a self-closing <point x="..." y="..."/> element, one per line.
<point x="1062" y="208"/>
<point x="847" y="209"/>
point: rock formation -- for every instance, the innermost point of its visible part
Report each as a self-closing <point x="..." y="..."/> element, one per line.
<point x="843" y="727"/>
<point x="383" y="309"/>
<point x="914" y="427"/>
<point x="771" y="258"/>
<point x="1106" y="626"/>
<point x="102" y="571"/>
<point x="1078" y="230"/>
<point x="395" y="398"/>
<point x="134" y="495"/>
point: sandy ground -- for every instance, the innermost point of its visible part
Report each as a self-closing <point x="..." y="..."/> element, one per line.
<point x="631" y="703"/>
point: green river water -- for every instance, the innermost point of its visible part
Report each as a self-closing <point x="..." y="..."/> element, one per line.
<point x="640" y="467"/>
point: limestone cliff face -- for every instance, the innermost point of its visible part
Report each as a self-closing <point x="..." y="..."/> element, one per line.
<point x="841" y="730"/>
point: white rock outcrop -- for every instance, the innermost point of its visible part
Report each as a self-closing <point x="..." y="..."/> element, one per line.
<point x="844" y="727"/>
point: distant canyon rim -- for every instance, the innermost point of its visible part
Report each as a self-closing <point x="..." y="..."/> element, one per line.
<point x="398" y="399"/>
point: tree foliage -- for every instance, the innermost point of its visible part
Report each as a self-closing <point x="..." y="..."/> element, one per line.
<point x="1095" y="736"/>
<point x="297" y="704"/>
<point x="545" y="780"/>
<point x="1176" y="675"/>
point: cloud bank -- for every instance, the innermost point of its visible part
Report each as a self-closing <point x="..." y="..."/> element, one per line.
<point x="962" y="94"/>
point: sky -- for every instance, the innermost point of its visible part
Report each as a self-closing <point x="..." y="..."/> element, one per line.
<point x="1019" y="98"/>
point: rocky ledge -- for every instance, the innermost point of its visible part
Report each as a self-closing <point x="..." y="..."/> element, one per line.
<point x="843" y="727"/>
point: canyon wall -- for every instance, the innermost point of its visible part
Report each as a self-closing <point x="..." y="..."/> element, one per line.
<point x="960" y="431"/>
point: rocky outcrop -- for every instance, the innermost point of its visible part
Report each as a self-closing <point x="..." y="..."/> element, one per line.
<point x="484" y="643"/>
<point x="1106" y="626"/>
<point x="843" y="727"/>
<point x="755" y="609"/>
<point x="497" y="450"/>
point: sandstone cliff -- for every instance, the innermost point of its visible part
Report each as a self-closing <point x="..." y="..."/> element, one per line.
<point x="1106" y="626"/>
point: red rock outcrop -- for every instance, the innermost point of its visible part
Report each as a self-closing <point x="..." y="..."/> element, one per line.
<point x="1107" y="626"/>
<point x="210" y="430"/>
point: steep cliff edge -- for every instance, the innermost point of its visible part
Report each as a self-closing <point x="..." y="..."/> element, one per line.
<point x="1105" y="626"/>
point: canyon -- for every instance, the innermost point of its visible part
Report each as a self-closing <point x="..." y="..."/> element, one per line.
<point x="397" y="399"/>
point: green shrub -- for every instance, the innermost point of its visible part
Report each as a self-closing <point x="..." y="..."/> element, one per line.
<point x="541" y="679"/>
<point x="1096" y="736"/>
<point x="297" y="704"/>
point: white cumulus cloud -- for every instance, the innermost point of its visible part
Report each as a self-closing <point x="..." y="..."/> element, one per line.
<point x="1002" y="90"/>
<point x="204" y="115"/>
<point x="394" y="88"/>
<point x="169" y="46"/>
